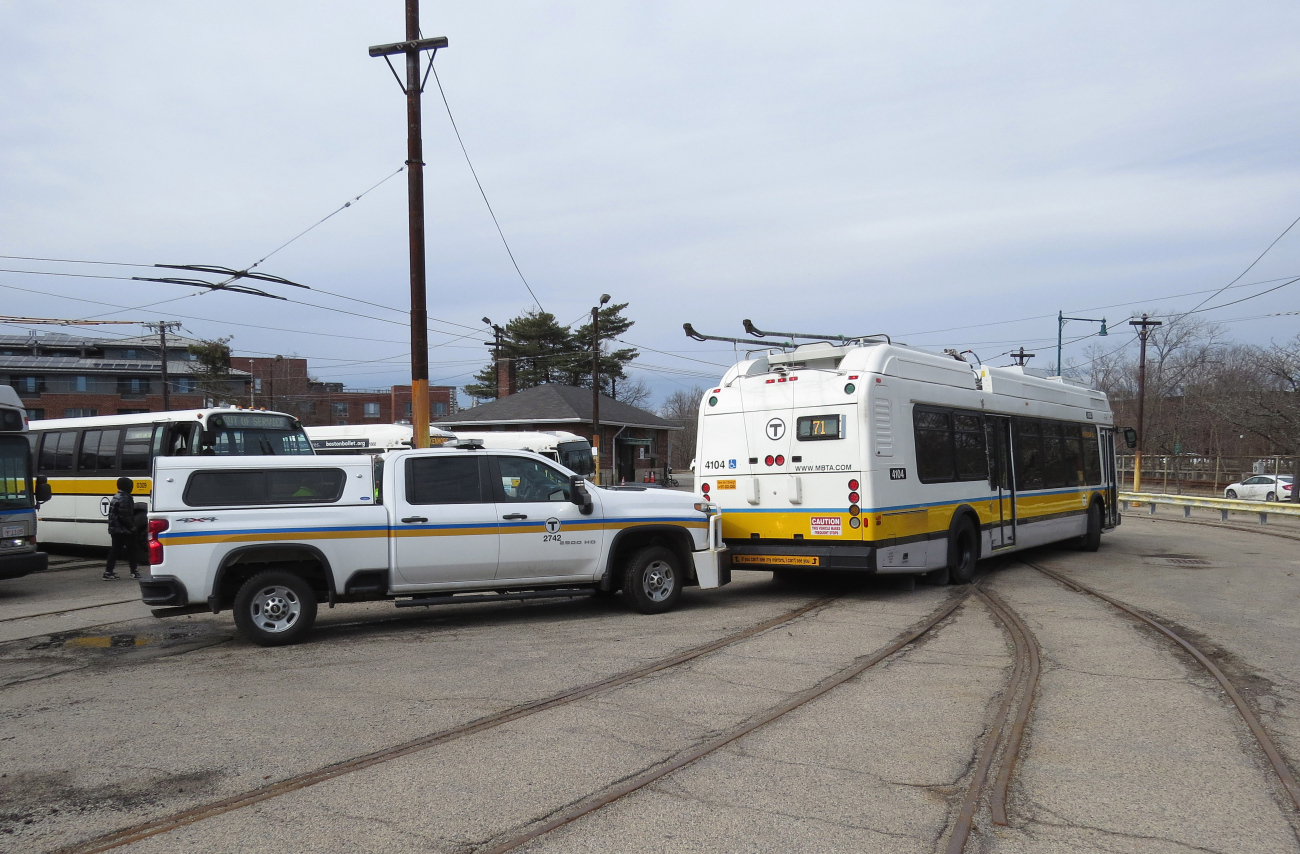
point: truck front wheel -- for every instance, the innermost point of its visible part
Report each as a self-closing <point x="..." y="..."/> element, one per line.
<point x="653" y="580"/>
<point x="275" y="608"/>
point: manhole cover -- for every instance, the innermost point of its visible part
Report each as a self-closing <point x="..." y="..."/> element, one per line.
<point x="1184" y="561"/>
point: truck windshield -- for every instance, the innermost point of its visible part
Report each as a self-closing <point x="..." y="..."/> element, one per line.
<point x="250" y="434"/>
<point x="576" y="456"/>
<point x="15" y="473"/>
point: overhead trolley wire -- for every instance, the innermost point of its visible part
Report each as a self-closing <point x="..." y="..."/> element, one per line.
<point x="479" y="184"/>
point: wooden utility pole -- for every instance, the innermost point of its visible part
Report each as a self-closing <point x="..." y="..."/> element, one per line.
<point x="595" y="386"/>
<point x="1144" y="327"/>
<point x="162" y="326"/>
<point x="414" y="86"/>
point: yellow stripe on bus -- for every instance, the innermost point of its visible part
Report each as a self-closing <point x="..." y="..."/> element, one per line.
<point x="96" y="485"/>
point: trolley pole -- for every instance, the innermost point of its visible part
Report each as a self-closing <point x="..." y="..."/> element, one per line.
<point x="414" y="86"/>
<point x="1144" y="327"/>
<point x="162" y="326"/>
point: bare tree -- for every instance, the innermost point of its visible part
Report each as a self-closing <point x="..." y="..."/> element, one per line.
<point x="682" y="407"/>
<point x="633" y="392"/>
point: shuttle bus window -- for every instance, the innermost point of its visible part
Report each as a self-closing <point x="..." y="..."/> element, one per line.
<point x="934" y="457"/>
<point x="968" y="443"/>
<point x="57" y="450"/>
<point x="136" y="448"/>
<point x="99" y="451"/>
<point x="1029" y="454"/>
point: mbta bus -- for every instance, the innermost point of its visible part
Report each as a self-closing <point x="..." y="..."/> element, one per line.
<point x="867" y="455"/>
<point x="19" y="493"/>
<point x="82" y="458"/>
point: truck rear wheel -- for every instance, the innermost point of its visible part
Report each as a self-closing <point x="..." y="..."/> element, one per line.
<point x="275" y="608"/>
<point x="653" y="580"/>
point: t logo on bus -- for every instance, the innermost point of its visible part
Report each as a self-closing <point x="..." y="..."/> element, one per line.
<point x="775" y="428"/>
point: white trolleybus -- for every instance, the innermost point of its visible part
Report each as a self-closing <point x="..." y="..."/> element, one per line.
<point x="19" y="491"/>
<point x="82" y="458"/>
<point x="861" y="454"/>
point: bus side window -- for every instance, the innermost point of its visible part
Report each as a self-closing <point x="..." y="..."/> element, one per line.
<point x="1091" y="457"/>
<point x="1029" y="454"/>
<point x="1073" y="455"/>
<point x="934" y="451"/>
<point x="1054" y="475"/>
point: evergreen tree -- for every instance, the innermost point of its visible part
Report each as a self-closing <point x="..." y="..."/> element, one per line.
<point x="546" y="352"/>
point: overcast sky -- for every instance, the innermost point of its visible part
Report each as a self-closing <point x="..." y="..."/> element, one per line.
<point x="832" y="168"/>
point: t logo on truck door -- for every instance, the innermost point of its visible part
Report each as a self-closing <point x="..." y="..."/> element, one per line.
<point x="552" y="525"/>
<point x="775" y="428"/>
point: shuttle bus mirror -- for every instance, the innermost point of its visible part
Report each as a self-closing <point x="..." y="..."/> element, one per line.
<point x="43" y="491"/>
<point x="1130" y="437"/>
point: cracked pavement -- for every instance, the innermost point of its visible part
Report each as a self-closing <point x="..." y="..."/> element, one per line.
<point x="1130" y="748"/>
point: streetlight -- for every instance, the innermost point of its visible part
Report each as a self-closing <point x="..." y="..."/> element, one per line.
<point x="1060" y="327"/>
<point x="595" y="384"/>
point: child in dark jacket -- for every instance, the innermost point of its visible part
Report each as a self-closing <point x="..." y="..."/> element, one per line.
<point x="121" y="527"/>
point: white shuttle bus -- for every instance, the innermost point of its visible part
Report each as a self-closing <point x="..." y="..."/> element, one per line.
<point x="369" y="438"/>
<point x="866" y="455"/>
<point x="82" y="458"/>
<point x="568" y="449"/>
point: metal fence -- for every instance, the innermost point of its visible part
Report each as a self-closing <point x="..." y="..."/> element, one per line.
<point x="1190" y="474"/>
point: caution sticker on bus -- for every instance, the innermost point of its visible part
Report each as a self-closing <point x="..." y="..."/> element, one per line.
<point x="781" y="560"/>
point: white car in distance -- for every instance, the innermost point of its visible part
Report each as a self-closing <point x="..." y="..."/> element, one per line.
<point x="1262" y="487"/>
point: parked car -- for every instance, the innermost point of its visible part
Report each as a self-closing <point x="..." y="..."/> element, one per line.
<point x="1262" y="487"/>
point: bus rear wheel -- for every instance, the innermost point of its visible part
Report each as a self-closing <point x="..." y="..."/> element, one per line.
<point x="963" y="551"/>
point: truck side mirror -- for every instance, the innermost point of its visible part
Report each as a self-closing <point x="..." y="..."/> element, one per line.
<point x="578" y="494"/>
<point x="43" y="491"/>
<point x="1130" y="437"/>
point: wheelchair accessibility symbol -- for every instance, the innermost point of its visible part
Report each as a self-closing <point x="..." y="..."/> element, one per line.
<point x="552" y="525"/>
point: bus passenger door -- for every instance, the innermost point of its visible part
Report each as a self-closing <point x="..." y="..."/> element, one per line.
<point x="1108" y="478"/>
<point x="1002" y="480"/>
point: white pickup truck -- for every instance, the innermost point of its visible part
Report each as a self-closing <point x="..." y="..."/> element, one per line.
<point x="271" y="537"/>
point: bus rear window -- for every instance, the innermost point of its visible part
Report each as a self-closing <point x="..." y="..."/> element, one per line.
<point x="259" y="487"/>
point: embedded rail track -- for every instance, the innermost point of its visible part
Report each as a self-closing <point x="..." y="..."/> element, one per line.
<point x="144" y="830"/>
<point x="1284" y="773"/>
<point x="1000" y="742"/>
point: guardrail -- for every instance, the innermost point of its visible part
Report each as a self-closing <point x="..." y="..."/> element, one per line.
<point x="1223" y="505"/>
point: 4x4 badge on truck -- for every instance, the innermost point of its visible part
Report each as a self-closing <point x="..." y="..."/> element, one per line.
<point x="552" y="525"/>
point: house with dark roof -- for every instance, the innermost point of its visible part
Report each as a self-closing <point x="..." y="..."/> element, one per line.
<point x="633" y="442"/>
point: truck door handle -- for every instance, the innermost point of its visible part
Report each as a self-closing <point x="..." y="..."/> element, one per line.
<point x="515" y="516"/>
<point x="415" y="519"/>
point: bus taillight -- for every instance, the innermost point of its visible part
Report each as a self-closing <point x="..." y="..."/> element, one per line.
<point x="156" y="527"/>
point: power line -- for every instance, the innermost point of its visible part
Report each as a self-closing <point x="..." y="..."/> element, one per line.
<point x="1248" y="269"/>
<point x="479" y="184"/>
<point x="345" y="205"/>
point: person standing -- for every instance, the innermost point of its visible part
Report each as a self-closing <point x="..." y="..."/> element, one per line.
<point x="121" y="527"/>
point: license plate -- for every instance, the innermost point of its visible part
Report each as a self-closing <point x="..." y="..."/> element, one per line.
<point x="12" y="531"/>
<point x="778" y="560"/>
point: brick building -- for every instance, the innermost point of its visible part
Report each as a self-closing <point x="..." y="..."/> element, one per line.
<point x="70" y="376"/>
<point x="283" y="384"/>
